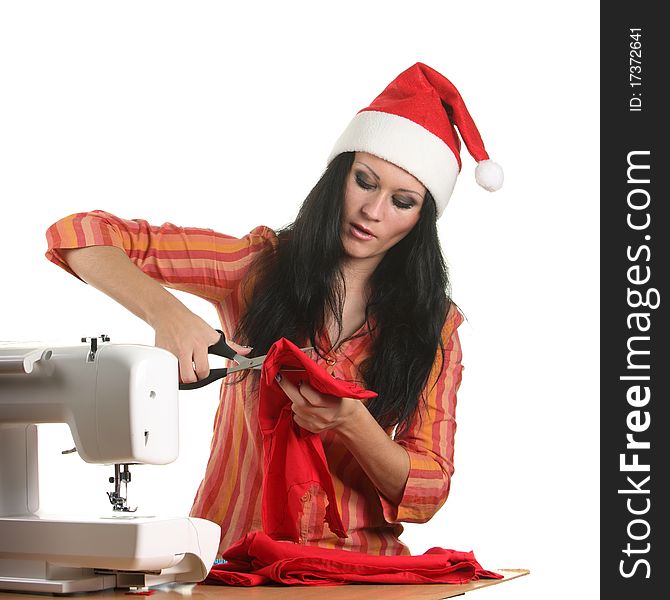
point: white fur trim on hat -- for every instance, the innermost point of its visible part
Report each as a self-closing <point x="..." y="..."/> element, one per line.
<point x="405" y="144"/>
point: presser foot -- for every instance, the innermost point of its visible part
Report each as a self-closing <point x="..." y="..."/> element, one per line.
<point x="119" y="497"/>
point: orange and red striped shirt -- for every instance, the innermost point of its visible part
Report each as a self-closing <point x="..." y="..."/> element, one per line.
<point x="213" y="266"/>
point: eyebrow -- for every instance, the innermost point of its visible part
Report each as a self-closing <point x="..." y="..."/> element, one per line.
<point x="377" y="178"/>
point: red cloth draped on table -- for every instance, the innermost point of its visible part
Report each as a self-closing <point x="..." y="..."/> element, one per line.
<point x="257" y="559"/>
<point x="294" y="460"/>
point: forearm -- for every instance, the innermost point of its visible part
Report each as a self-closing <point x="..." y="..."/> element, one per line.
<point x="109" y="270"/>
<point x="178" y="330"/>
<point x="384" y="461"/>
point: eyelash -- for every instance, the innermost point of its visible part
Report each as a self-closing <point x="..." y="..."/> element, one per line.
<point x="364" y="184"/>
<point x="368" y="186"/>
<point x="403" y="205"/>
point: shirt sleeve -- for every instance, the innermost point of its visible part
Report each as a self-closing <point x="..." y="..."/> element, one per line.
<point x="199" y="261"/>
<point x="429" y="440"/>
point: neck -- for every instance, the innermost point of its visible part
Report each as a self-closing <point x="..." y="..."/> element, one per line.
<point x="357" y="274"/>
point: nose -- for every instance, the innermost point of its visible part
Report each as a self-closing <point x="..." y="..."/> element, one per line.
<point x="373" y="208"/>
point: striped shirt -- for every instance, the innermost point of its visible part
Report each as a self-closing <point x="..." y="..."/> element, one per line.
<point x="213" y="266"/>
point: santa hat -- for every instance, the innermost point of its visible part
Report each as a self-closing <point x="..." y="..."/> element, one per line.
<point x="409" y="125"/>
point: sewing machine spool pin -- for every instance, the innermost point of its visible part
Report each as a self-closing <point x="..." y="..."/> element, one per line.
<point x="103" y="337"/>
<point x="118" y="499"/>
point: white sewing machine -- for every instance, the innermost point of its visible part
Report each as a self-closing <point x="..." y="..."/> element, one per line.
<point x="121" y="403"/>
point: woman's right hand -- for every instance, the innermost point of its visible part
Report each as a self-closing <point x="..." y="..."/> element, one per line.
<point x="189" y="337"/>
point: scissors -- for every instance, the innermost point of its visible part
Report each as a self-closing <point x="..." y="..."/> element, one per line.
<point x="221" y="348"/>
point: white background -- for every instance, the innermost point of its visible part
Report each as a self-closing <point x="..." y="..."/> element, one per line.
<point x="221" y="115"/>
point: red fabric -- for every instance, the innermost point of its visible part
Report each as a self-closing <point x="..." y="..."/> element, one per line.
<point x="294" y="459"/>
<point x="257" y="559"/>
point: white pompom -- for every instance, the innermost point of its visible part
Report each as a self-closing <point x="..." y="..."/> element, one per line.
<point x="489" y="175"/>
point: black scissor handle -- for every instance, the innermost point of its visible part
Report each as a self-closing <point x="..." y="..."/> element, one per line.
<point x="214" y="374"/>
<point x="221" y="348"/>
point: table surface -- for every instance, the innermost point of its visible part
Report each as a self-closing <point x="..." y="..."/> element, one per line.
<point x="434" y="591"/>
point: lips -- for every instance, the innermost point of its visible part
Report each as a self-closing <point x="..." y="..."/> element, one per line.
<point x="360" y="232"/>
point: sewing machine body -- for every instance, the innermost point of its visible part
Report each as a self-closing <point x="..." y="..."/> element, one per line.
<point x="121" y="404"/>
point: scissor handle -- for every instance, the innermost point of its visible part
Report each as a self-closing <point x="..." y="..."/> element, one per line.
<point x="221" y="348"/>
<point x="214" y="374"/>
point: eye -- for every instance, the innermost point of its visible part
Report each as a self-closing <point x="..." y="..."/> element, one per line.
<point x="363" y="182"/>
<point x="403" y="203"/>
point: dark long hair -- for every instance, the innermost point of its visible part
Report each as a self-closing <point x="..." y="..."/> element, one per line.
<point x="293" y="290"/>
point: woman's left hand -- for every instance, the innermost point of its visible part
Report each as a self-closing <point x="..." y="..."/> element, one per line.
<point x="314" y="411"/>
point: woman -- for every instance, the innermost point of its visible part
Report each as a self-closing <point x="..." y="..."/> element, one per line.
<point x="359" y="276"/>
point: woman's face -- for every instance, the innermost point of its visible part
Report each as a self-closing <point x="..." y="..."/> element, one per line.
<point x="382" y="203"/>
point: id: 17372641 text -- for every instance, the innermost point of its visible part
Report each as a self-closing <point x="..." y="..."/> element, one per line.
<point x="635" y="70"/>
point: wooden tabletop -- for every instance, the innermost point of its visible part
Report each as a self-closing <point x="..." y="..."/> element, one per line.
<point x="434" y="591"/>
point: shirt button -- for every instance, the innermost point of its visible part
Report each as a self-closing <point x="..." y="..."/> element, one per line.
<point x="330" y="361"/>
<point x="305" y="497"/>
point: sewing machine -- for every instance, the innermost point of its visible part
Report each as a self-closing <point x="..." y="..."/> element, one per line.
<point x="121" y="404"/>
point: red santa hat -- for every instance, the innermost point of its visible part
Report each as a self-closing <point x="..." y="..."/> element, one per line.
<point x="411" y="124"/>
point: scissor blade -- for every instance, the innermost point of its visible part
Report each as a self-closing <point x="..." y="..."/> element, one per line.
<point x="248" y="363"/>
<point x="257" y="363"/>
